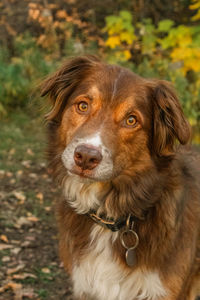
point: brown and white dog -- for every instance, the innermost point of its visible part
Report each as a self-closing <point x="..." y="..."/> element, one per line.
<point x="129" y="217"/>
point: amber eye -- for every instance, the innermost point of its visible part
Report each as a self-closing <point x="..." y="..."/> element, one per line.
<point x="131" y="121"/>
<point x="82" y="106"/>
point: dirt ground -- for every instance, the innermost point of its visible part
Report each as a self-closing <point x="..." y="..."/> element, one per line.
<point x="29" y="264"/>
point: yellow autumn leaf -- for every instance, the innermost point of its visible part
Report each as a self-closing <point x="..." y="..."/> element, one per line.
<point x="195" y="5"/>
<point x="197" y="16"/>
<point x="113" y="41"/>
<point x="189" y="56"/>
<point x="192" y="64"/>
<point x="127" y="54"/>
<point x="115" y="28"/>
<point x="185" y="41"/>
<point x="178" y="54"/>
<point x="127" y="37"/>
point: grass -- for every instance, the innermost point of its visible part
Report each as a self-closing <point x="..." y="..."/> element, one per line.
<point x="42" y="293"/>
<point x="23" y="140"/>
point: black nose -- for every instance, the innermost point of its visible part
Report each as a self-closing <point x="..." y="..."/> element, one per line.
<point x="87" y="157"/>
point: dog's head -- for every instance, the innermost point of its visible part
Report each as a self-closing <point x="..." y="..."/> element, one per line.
<point x="109" y="121"/>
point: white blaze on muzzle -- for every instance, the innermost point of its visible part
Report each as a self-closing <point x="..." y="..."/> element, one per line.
<point x="103" y="170"/>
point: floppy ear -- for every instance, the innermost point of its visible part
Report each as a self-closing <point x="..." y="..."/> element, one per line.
<point x="169" y="122"/>
<point x="61" y="84"/>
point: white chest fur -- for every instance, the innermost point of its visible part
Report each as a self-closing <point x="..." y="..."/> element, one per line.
<point x="101" y="277"/>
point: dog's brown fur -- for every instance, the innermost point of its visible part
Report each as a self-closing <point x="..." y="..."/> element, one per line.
<point x="151" y="179"/>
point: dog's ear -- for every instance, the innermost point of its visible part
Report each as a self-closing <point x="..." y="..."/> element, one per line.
<point x="61" y="84"/>
<point x="169" y="122"/>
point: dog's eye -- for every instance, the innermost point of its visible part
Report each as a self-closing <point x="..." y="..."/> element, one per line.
<point x="131" y="121"/>
<point x="82" y="107"/>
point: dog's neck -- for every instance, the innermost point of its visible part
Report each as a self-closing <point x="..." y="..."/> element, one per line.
<point x="100" y="199"/>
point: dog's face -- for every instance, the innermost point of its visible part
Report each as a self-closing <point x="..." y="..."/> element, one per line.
<point x="111" y="122"/>
<point x="104" y="128"/>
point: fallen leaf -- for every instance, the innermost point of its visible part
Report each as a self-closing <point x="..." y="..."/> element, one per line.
<point x="29" y="293"/>
<point x="12" y="151"/>
<point x="26" y="163"/>
<point x="15" y="270"/>
<point x="19" y="173"/>
<point x="47" y="208"/>
<point x="5" y="246"/>
<point x="43" y="165"/>
<point x="16" y="287"/>
<point x="29" y="152"/>
<point x="23" y="276"/>
<point x="26" y="244"/>
<point x="5" y="259"/>
<point x="45" y="176"/>
<point x="33" y="175"/>
<point x="22" y="221"/>
<point x="20" y="196"/>
<point x="13" y="181"/>
<point x="9" y="174"/>
<point x="30" y="238"/>
<point x="4" y="238"/>
<point x="46" y="270"/>
<point x="32" y="219"/>
<point x="15" y="250"/>
<point x="40" y="196"/>
<point x="15" y="242"/>
<point x="2" y="172"/>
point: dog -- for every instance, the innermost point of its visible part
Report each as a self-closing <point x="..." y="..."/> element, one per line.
<point x="129" y="215"/>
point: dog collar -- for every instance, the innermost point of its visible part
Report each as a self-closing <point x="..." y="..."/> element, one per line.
<point x="128" y="224"/>
<point x="111" y="224"/>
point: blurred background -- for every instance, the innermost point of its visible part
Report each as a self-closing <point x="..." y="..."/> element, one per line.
<point x="159" y="39"/>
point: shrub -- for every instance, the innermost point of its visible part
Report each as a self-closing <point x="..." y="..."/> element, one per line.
<point x="19" y="73"/>
<point x="165" y="51"/>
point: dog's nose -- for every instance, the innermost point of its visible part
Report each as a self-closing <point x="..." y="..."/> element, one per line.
<point x="87" y="157"/>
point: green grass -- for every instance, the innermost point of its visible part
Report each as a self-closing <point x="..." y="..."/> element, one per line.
<point x="21" y="137"/>
<point x="42" y="293"/>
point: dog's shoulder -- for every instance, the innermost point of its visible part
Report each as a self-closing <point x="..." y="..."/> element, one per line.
<point x="188" y="159"/>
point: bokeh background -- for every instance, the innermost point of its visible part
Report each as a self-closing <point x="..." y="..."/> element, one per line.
<point x="159" y="39"/>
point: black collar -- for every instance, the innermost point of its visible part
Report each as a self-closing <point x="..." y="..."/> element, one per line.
<point x="111" y="224"/>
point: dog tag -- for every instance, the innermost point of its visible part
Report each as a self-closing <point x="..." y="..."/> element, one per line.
<point x="130" y="254"/>
<point x="130" y="257"/>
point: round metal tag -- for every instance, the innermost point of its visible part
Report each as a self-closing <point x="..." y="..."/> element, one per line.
<point x="130" y="257"/>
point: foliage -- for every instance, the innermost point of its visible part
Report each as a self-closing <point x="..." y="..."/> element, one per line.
<point x="195" y="6"/>
<point x="165" y="50"/>
<point x="121" y="32"/>
<point x="29" y="58"/>
<point x="19" y="73"/>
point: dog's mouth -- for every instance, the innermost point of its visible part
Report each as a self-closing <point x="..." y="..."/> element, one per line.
<point x="93" y="175"/>
<point x="82" y="173"/>
<point x="86" y="174"/>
